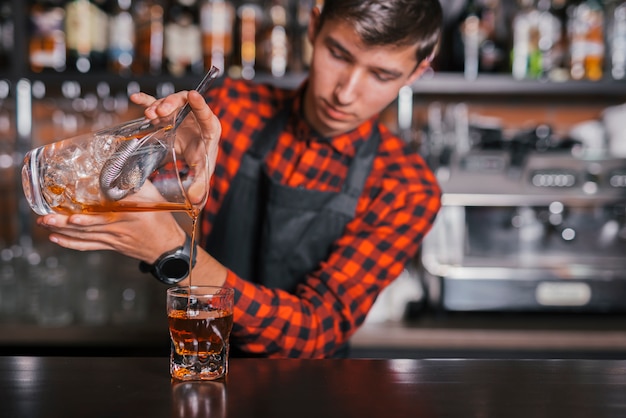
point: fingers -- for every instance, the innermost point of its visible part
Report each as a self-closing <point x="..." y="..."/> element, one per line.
<point x="209" y="124"/>
<point x="199" y="106"/>
<point x="156" y="108"/>
<point x="73" y="228"/>
<point x="68" y="231"/>
<point x="142" y="99"/>
<point x="143" y="236"/>
<point x="77" y="244"/>
<point x="62" y="221"/>
<point x="165" y="106"/>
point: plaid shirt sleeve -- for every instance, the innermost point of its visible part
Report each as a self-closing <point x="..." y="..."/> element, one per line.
<point x="334" y="300"/>
<point x="397" y="208"/>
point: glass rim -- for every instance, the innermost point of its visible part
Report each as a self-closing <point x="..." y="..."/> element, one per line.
<point x="200" y="290"/>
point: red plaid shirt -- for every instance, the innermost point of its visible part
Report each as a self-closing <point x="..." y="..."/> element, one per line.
<point x="396" y="209"/>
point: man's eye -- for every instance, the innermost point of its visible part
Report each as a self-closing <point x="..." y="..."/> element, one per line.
<point x="383" y="77"/>
<point x="338" y="55"/>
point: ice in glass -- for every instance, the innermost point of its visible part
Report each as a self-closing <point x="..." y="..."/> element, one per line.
<point x="200" y="321"/>
<point x="140" y="165"/>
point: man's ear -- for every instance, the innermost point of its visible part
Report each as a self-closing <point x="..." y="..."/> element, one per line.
<point x="314" y="24"/>
<point x="417" y="73"/>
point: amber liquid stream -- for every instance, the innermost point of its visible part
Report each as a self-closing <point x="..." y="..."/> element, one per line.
<point x="185" y="328"/>
<point x="201" y="333"/>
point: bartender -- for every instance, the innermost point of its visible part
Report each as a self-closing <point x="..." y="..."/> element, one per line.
<point x="315" y="206"/>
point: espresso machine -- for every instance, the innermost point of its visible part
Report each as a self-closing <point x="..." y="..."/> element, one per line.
<point x="528" y="223"/>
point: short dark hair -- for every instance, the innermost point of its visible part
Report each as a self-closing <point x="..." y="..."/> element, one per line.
<point x="391" y="22"/>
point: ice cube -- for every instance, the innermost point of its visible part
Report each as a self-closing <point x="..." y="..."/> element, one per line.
<point x="54" y="190"/>
<point x="102" y="147"/>
<point x="87" y="190"/>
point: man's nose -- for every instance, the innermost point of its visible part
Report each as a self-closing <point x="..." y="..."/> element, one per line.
<point x="348" y="86"/>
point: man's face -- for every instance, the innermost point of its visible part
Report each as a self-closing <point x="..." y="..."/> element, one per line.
<point x="349" y="82"/>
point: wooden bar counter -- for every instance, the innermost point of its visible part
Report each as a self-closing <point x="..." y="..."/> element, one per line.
<point x="118" y="387"/>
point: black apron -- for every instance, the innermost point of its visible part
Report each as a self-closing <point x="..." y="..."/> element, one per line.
<point x="275" y="235"/>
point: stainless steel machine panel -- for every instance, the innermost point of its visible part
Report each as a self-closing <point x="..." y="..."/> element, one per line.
<point x="546" y="235"/>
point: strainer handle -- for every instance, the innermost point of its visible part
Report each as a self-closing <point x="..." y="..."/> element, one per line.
<point x="202" y="88"/>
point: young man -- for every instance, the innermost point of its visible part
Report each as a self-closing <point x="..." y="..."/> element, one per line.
<point x="315" y="206"/>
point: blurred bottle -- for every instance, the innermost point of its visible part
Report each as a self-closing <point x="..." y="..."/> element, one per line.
<point x="495" y="48"/>
<point x="526" y="53"/>
<point x="27" y="262"/>
<point x="472" y="36"/>
<point x="537" y="45"/>
<point x="129" y="297"/>
<point x="586" y="39"/>
<point x="93" y="290"/>
<point x="273" y="43"/>
<point x="301" y="48"/>
<point x="549" y="42"/>
<point x="555" y="28"/>
<point x="9" y="286"/>
<point x="217" y="19"/>
<point x="484" y="37"/>
<point x="55" y="307"/>
<point x="121" y="47"/>
<point x="9" y="215"/>
<point x="148" y="16"/>
<point x="183" y="39"/>
<point x="73" y="119"/>
<point x="47" y="48"/>
<point x="18" y="296"/>
<point x="618" y="42"/>
<point x="105" y="114"/>
<point x="6" y="34"/>
<point x="86" y="26"/>
<point x="248" y="23"/>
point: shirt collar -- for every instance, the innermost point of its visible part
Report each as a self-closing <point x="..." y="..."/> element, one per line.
<point x="346" y="143"/>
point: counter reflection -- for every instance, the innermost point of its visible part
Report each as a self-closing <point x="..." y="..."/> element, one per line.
<point x="198" y="399"/>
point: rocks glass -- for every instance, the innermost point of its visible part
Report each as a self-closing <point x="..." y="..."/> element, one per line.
<point x="200" y="321"/>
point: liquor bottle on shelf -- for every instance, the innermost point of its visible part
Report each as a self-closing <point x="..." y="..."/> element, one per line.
<point x="586" y="39"/>
<point x="6" y="34"/>
<point x="148" y="16"/>
<point x="247" y="23"/>
<point x="301" y="49"/>
<point x="481" y="38"/>
<point x="217" y="19"/>
<point x="526" y="62"/>
<point x="86" y="35"/>
<point x="47" y="47"/>
<point x="273" y="44"/>
<point x="183" y="39"/>
<point x="549" y="32"/>
<point x="536" y="41"/>
<point x="8" y="206"/>
<point x="121" y="47"/>
<point x="54" y="293"/>
<point x="493" y="51"/>
<point x="472" y="35"/>
<point x="554" y="39"/>
<point x="617" y="42"/>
